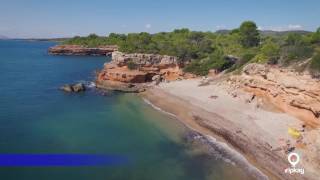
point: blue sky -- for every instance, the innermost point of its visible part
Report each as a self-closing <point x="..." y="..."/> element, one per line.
<point x="64" y="18"/>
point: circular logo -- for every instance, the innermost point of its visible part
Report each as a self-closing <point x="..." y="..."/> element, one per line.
<point x="293" y="159"/>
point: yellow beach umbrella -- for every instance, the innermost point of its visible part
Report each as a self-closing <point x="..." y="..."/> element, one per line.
<point x="294" y="132"/>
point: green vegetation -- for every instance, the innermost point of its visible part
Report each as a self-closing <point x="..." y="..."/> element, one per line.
<point x="208" y="50"/>
<point x="315" y="65"/>
<point x="249" y="34"/>
<point x="297" y="47"/>
<point x="315" y="37"/>
<point x="216" y="60"/>
<point x="269" y="53"/>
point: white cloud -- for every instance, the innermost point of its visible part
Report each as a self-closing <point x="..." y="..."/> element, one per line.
<point x="219" y="27"/>
<point x="148" y="26"/>
<point x="289" y="27"/>
<point x="294" y="26"/>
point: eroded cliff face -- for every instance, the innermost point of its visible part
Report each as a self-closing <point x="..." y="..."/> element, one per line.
<point x="146" y="68"/>
<point x="294" y="93"/>
<point x="82" y="50"/>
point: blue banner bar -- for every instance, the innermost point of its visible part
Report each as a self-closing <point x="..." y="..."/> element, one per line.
<point x="60" y="160"/>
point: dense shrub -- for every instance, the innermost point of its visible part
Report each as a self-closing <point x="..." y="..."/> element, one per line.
<point x="293" y="39"/>
<point x="296" y="53"/>
<point x="244" y="59"/>
<point x="315" y="64"/>
<point x="297" y="47"/>
<point x="271" y="51"/>
<point x="230" y="43"/>
<point x="197" y="67"/>
<point x="315" y="37"/>
<point x="215" y="61"/>
<point x="260" y="58"/>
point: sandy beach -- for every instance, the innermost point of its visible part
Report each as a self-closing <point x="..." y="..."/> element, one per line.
<point x="249" y="126"/>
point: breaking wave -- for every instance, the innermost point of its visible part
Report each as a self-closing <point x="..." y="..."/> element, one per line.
<point x="157" y="108"/>
<point x="88" y="84"/>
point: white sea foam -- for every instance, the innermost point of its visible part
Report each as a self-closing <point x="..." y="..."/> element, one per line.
<point x="157" y="108"/>
<point x="230" y="155"/>
<point x="88" y="84"/>
<point x="91" y="85"/>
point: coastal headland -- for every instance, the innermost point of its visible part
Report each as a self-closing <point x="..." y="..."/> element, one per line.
<point x="136" y="72"/>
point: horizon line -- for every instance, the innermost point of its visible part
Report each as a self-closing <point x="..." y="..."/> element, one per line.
<point x="4" y="37"/>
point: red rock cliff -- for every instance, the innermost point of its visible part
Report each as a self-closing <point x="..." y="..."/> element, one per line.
<point x="295" y="93"/>
<point x="132" y="72"/>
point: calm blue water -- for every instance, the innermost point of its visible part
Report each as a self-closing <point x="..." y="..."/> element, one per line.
<point x="37" y="118"/>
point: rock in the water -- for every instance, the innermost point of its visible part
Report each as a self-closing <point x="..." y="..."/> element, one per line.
<point x="67" y="88"/>
<point x="78" y="87"/>
<point x="73" y="88"/>
<point x="121" y="86"/>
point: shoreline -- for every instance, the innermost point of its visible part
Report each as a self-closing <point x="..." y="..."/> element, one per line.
<point x="245" y="138"/>
<point x="155" y="102"/>
<point x="217" y="144"/>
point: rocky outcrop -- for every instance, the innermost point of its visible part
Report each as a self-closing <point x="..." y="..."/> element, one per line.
<point x="295" y="93"/>
<point x="144" y="60"/>
<point x="73" y="87"/>
<point x="82" y="50"/>
<point x="135" y="72"/>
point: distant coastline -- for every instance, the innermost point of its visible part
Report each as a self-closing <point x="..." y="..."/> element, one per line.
<point x="59" y="40"/>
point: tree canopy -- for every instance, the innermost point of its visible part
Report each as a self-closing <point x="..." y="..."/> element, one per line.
<point x="249" y="34"/>
<point x="207" y="50"/>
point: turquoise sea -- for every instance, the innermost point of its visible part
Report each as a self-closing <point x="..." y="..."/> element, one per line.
<point x="37" y="118"/>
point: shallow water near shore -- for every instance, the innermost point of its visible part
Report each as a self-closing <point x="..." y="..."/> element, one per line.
<point x="37" y="118"/>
